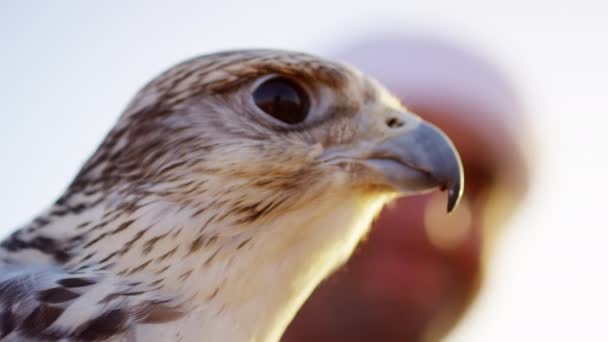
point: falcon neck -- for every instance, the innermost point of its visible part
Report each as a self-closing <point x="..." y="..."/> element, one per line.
<point x="238" y="283"/>
<point x="260" y="286"/>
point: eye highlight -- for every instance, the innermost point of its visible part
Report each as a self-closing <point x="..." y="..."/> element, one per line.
<point x="283" y="99"/>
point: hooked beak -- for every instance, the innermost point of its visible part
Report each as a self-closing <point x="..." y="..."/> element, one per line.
<point x="419" y="160"/>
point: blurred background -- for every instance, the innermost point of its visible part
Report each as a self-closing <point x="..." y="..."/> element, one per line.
<point x="518" y="85"/>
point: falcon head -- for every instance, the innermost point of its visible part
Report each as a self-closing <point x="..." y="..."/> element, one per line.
<point x="286" y="125"/>
<point x="249" y="169"/>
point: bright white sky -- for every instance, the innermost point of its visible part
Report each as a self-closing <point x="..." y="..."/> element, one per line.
<point x="68" y="68"/>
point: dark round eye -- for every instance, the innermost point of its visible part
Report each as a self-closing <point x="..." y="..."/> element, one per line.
<point x="282" y="99"/>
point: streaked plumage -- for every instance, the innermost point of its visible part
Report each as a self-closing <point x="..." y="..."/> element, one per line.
<point x="200" y="218"/>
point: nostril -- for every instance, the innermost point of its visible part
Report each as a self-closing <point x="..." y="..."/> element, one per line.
<point x="394" y="123"/>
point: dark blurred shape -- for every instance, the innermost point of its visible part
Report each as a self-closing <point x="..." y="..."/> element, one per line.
<point x="419" y="269"/>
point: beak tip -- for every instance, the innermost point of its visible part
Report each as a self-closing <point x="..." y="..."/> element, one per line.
<point x="454" y="194"/>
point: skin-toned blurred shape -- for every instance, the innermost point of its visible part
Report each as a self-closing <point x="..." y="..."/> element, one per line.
<point x="415" y="284"/>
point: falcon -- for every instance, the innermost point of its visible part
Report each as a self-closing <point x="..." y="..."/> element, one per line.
<point x="231" y="185"/>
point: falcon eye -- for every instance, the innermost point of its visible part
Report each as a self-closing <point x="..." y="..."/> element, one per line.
<point x="282" y="99"/>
